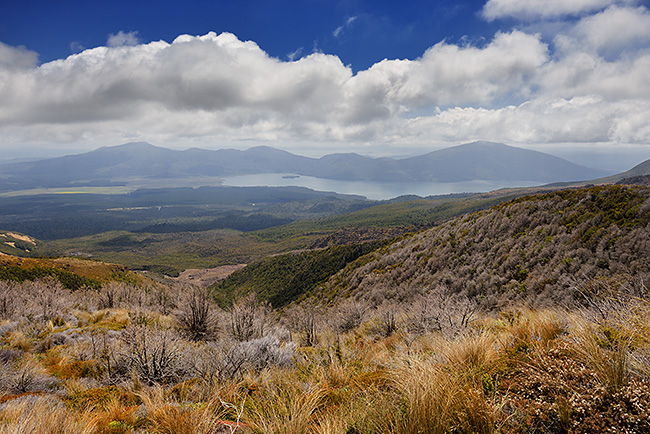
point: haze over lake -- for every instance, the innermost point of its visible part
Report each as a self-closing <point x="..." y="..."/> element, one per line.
<point x="374" y="190"/>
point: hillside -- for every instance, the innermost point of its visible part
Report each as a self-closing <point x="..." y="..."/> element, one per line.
<point x="72" y="273"/>
<point x="16" y="244"/>
<point x="137" y="164"/>
<point x="494" y="161"/>
<point x="640" y="169"/>
<point x="541" y="250"/>
<point x="280" y="280"/>
<point x="409" y="352"/>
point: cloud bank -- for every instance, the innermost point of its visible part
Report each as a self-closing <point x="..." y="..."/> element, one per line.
<point x="588" y="84"/>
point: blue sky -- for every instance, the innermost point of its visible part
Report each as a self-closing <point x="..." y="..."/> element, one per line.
<point x="570" y="77"/>
<point x="361" y="33"/>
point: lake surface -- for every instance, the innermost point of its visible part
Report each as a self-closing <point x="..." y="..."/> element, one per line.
<point x="371" y="189"/>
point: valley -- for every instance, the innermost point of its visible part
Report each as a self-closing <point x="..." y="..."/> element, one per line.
<point x="285" y="309"/>
<point x="325" y="217"/>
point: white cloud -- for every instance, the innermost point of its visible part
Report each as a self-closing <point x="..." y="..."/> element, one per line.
<point x="214" y="88"/>
<point x="544" y="9"/>
<point x="445" y="75"/>
<point x="16" y="57"/>
<point x="613" y="30"/>
<point x="583" y="74"/>
<point x="577" y="120"/>
<point x="348" y="23"/>
<point x="295" y="54"/>
<point x="221" y="74"/>
<point x="122" y="38"/>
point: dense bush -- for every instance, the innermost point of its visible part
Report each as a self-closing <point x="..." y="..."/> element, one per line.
<point x="283" y="279"/>
<point x="539" y="250"/>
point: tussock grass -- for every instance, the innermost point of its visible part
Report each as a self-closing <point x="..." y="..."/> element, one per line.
<point x="42" y="415"/>
<point x="544" y="371"/>
<point x="437" y="399"/>
<point x="284" y="407"/>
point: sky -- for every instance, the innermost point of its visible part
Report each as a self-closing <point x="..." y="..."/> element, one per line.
<point x="568" y="77"/>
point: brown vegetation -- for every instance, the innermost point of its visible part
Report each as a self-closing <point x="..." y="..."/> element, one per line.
<point x="543" y="250"/>
<point x="531" y="317"/>
<point x="395" y="368"/>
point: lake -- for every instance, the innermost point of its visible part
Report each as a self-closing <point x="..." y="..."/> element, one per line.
<point x="374" y="190"/>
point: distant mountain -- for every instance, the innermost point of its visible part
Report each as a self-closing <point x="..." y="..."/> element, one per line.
<point x="495" y="162"/>
<point x="472" y="161"/>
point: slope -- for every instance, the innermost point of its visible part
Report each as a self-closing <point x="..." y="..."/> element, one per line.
<point x="542" y="249"/>
<point x="72" y="273"/>
<point x="640" y="169"/>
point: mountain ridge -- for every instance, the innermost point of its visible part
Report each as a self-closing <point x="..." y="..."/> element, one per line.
<point x="468" y="162"/>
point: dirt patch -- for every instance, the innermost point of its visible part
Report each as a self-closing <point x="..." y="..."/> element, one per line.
<point x="20" y="237"/>
<point x="207" y="276"/>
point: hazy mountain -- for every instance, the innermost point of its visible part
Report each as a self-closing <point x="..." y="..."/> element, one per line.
<point x="494" y="162"/>
<point x="473" y="161"/>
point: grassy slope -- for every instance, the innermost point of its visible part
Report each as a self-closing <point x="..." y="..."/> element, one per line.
<point x="522" y="371"/>
<point x="515" y="371"/>
<point x="73" y="273"/>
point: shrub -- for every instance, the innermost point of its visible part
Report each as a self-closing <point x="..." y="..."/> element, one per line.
<point x="25" y="375"/>
<point x="246" y="319"/>
<point x="154" y="354"/>
<point x="196" y="320"/>
<point x="231" y="360"/>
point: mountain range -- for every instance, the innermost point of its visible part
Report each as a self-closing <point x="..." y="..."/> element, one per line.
<point x="113" y="165"/>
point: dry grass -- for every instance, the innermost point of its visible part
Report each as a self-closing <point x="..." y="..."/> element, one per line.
<point x="165" y="415"/>
<point x="284" y="406"/>
<point x="440" y="400"/>
<point x="522" y="371"/>
<point x="41" y="415"/>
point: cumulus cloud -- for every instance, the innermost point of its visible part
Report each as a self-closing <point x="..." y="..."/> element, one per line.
<point x="587" y="119"/>
<point x="590" y="84"/>
<point x="16" y="57"/>
<point x="611" y="31"/>
<point x="238" y="80"/>
<point x="449" y="74"/>
<point x="122" y="38"/>
<point x="543" y="9"/>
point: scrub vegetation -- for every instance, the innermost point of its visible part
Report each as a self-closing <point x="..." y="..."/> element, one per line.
<point x="532" y="316"/>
